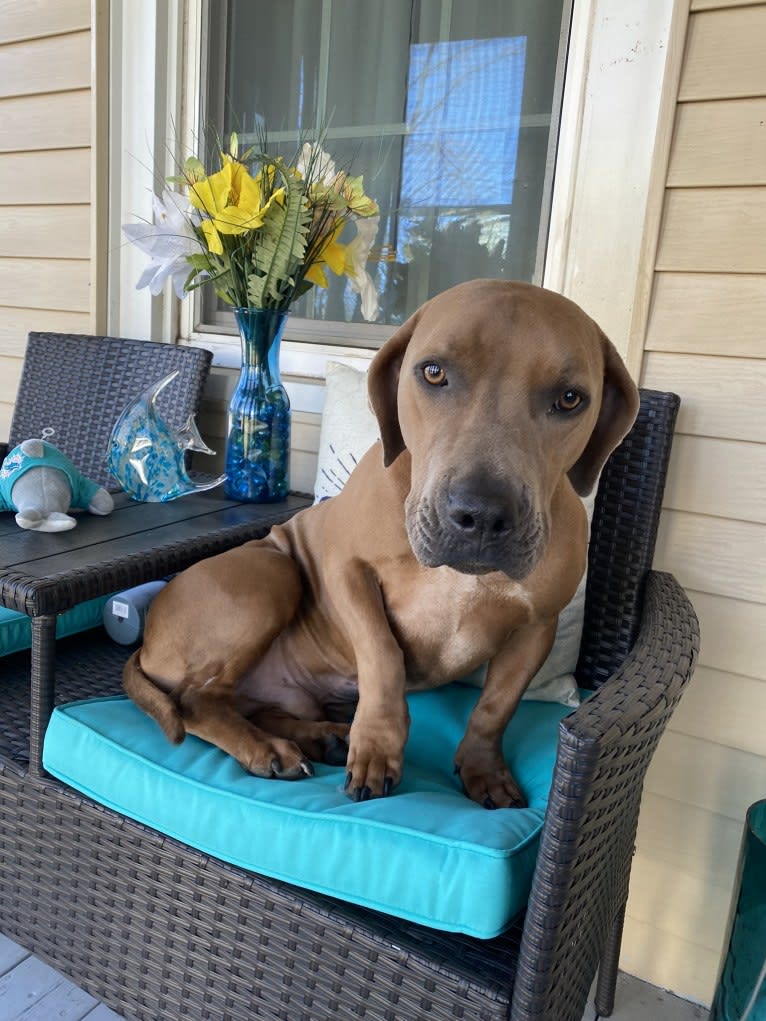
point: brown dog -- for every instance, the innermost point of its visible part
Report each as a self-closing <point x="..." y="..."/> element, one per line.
<point x="456" y="541"/>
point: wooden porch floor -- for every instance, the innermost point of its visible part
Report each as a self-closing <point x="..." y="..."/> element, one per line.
<point x="32" y="991"/>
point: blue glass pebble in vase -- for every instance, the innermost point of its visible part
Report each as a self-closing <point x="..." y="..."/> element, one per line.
<point x="258" y="441"/>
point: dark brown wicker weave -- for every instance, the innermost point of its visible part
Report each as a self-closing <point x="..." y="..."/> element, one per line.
<point x="160" y="931"/>
<point x="78" y="385"/>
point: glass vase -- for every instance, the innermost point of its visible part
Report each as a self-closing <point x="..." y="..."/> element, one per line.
<point x="741" y="992"/>
<point x="258" y="440"/>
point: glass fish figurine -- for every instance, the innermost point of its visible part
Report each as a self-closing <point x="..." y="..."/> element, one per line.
<point x="147" y="457"/>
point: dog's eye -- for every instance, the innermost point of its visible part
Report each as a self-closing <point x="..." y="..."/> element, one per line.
<point x="568" y="401"/>
<point x="434" y="374"/>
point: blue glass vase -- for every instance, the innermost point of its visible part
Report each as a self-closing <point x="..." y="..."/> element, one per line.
<point x="258" y="440"/>
<point x="741" y="992"/>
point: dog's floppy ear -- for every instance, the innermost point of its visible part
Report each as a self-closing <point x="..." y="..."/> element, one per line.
<point x="619" y="407"/>
<point x="383" y="387"/>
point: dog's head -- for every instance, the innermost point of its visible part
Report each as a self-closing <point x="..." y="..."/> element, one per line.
<point x="498" y="390"/>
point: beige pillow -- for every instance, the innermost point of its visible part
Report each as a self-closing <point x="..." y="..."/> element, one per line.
<point x="348" y="430"/>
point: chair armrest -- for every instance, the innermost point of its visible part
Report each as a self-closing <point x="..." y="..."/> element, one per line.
<point x="652" y="677"/>
<point x="605" y="747"/>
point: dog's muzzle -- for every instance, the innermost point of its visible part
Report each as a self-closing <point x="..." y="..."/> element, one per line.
<point x="475" y="528"/>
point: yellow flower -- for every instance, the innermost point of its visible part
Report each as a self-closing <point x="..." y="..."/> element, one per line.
<point x="331" y="187"/>
<point x="232" y="201"/>
<point x="316" y="274"/>
<point x="281" y="240"/>
<point x="352" y="189"/>
<point x="331" y="253"/>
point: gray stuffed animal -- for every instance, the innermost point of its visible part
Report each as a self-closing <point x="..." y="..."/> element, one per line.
<point x="41" y="484"/>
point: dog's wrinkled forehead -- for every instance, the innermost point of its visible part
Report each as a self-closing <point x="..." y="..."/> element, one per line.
<point x="522" y="318"/>
<point x="491" y="342"/>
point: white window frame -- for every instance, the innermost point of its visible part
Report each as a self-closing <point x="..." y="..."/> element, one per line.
<point x="621" y="59"/>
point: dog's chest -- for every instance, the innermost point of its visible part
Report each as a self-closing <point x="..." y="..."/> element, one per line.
<point x="449" y="623"/>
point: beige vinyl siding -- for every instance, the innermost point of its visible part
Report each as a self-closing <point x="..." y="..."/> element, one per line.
<point x="721" y="393"/>
<point x="44" y="65"/>
<point x="732" y="131"/>
<point x="714" y="230"/>
<point x="705" y="340"/>
<point x="724" y="54"/>
<point x="35" y="19"/>
<point x="707" y="5"/>
<point x="703" y="326"/>
<point x="44" y="232"/>
<point x="45" y="123"/>
<point x="46" y="225"/>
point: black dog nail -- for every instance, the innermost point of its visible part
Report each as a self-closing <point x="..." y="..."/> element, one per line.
<point x="388" y="783"/>
<point x="347" y="784"/>
<point x="489" y="803"/>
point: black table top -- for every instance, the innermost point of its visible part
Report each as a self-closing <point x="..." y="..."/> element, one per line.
<point x="47" y="572"/>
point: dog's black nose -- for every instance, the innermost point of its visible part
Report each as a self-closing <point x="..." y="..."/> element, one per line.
<point x="476" y="515"/>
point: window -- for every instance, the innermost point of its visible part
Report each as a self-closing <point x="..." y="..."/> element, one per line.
<point x="449" y="108"/>
<point x="619" y="75"/>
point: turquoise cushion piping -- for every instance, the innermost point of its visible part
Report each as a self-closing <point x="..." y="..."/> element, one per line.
<point x="426" y="853"/>
<point x="16" y="628"/>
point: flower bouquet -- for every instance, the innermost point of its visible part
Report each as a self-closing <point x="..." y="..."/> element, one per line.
<point x="262" y="240"/>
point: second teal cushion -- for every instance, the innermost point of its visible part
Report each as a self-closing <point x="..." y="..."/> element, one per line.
<point x="16" y="628"/>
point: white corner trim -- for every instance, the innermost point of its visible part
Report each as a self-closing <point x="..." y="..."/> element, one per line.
<point x="613" y="105"/>
<point x="145" y="61"/>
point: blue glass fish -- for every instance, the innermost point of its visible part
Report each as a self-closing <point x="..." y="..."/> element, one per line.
<point x="147" y="457"/>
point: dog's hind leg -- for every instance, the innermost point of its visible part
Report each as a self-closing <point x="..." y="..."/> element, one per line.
<point x="204" y="630"/>
<point x="319" y="740"/>
<point x="217" y="720"/>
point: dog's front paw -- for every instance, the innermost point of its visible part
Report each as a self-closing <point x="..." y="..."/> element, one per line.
<point x="486" y="779"/>
<point x="375" y="757"/>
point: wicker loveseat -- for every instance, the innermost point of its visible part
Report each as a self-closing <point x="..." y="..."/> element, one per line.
<point x="158" y="930"/>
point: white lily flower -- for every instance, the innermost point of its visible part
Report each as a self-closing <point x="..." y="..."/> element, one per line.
<point x="357" y="253"/>
<point x="313" y="159"/>
<point x="167" y="242"/>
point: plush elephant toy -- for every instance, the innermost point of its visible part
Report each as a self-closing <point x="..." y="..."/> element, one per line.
<point x="41" y="484"/>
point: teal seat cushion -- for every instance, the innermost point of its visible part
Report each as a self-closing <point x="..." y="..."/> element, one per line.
<point x="16" y="628"/>
<point x="426" y="853"/>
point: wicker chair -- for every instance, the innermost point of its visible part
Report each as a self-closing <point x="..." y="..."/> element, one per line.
<point x="78" y="385"/>
<point x="158" y="930"/>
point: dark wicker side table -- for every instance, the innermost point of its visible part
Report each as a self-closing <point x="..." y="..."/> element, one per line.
<point x="43" y="574"/>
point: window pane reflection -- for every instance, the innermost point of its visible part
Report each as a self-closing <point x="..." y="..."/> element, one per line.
<point x="445" y="107"/>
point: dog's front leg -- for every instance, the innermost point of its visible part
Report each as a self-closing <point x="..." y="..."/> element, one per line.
<point x="381" y="721"/>
<point x="479" y="758"/>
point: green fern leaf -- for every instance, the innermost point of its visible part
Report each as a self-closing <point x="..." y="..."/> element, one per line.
<point x="281" y="245"/>
<point x="255" y="290"/>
